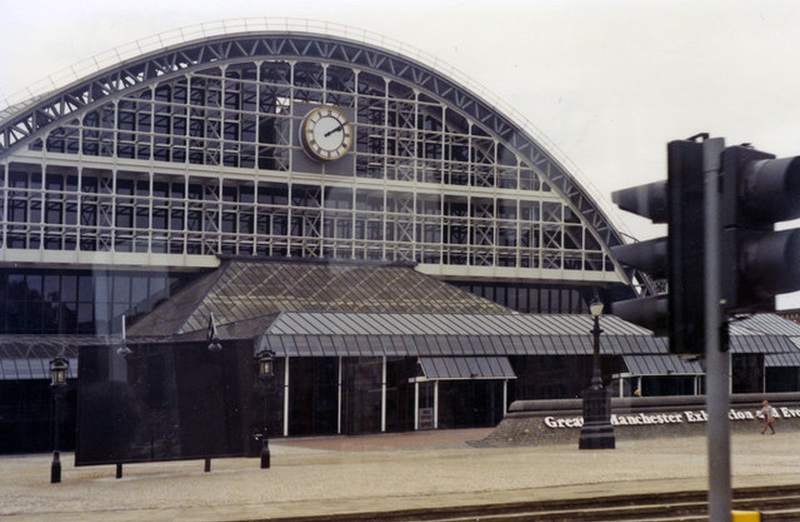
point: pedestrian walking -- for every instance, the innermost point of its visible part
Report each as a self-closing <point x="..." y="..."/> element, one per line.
<point x="768" y="413"/>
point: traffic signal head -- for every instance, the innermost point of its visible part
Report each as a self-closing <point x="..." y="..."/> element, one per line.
<point x="766" y="190"/>
<point x="757" y="261"/>
<point x="649" y="201"/>
<point x="679" y="257"/>
<point x="686" y="247"/>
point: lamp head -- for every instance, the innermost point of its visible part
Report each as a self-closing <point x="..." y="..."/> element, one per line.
<point x="265" y="360"/>
<point x="58" y="372"/>
<point x="596" y="308"/>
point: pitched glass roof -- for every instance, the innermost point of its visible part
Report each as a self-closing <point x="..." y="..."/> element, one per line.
<point x="243" y="289"/>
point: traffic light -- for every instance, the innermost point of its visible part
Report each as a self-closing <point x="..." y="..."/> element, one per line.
<point x="648" y="257"/>
<point x="758" y="262"/>
<point x="686" y="247"/>
<point x="679" y="257"/>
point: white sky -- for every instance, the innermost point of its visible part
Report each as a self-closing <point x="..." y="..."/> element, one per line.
<point x="610" y="82"/>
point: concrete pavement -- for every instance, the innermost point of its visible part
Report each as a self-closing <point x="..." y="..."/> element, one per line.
<point x="378" y="472"/>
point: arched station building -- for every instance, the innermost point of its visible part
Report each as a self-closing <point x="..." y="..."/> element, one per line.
<point x="288" y="180"/>
<point x="173" y="158"/>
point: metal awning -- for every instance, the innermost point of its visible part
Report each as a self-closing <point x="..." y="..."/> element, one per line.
<point x="782" y="360"/>
<point x="35" y="368"/>
<point x="761" y="344"/>
<point x="462" y="368"/>
<point x="660" y="365"/>
<point x="27" y="357"/>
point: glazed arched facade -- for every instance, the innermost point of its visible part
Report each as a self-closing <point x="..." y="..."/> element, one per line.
<point x="192" y="152"/>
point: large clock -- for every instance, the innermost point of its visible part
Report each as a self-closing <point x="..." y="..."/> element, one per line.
<point x="326" y="133"/>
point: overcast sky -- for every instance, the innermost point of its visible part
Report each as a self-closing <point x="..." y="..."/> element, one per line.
<point x="610" y="82"/>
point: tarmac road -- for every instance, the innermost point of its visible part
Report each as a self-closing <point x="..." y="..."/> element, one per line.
<point x="377" y="472"/>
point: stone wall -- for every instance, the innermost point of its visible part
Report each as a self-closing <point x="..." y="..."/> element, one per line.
<point x="559" y="421"/>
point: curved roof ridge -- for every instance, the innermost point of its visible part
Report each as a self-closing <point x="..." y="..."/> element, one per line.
<point x="117" y="57"/>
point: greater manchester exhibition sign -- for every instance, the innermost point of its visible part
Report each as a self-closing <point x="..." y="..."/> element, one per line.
<point x="654" y="419"/>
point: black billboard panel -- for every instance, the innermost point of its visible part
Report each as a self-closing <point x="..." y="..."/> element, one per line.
<point x="166" y="401"/>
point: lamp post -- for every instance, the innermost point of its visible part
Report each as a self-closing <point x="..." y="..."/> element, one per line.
<point x="123" y="349"/>
<point x="58" y="381"/>
<point x="597" y="431"/>
<point x="265" y="360"/>
<point x="211" y="335"/>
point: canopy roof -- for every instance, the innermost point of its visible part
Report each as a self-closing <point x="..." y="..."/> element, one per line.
<point x="661" y="365"/>
<point x="459" y="368"/>
<point x="327" y="309"/>
<point x="242" y="290"/>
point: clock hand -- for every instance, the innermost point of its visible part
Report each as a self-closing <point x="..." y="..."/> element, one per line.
<point x="335" y="129"/>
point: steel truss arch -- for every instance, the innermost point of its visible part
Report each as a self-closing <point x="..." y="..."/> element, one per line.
<point x="20" y="128"/>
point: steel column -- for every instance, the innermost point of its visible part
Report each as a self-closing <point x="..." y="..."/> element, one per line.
<point x="717" y="360"/>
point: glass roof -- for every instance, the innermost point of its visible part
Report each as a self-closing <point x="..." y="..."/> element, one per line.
<point x="24" y="357"/>
<point x="243" y="289"/>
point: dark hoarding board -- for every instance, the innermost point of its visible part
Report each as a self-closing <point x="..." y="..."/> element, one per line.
<point x="166" y="401"/>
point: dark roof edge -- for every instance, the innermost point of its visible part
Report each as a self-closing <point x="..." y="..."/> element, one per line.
<point x="217" y="274"/>
<point x="315" y="261"/>
<point x="212" y="276"/>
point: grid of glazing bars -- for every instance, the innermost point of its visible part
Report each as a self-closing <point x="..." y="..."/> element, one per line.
<point x="203" y="164"/>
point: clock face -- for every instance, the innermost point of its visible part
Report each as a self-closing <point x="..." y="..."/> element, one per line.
<point x="326" y="133"/>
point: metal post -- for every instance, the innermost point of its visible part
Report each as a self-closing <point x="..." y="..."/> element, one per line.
<point x="339" y="399"/>
<point x="436" y="405"/>
<point x="505" y="396"/>
<point x="717" y="360"/>
<point x="383" y="394"/>
<point x="286" y="396"/>
<point x="416" y="405"/>
<point x="55" y="466"/>
<point x="597" y="372"/>
<point x="265" y="434"/>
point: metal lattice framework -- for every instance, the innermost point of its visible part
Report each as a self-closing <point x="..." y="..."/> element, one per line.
<point x="441" y="134"/>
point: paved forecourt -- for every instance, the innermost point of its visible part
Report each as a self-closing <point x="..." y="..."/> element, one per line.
<point x="379" y="472"/>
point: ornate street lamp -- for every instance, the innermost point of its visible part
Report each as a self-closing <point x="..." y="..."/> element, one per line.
<point x="597" y="431"/>
<point x="58" y="382"/>
<point x="266" y="362"/>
